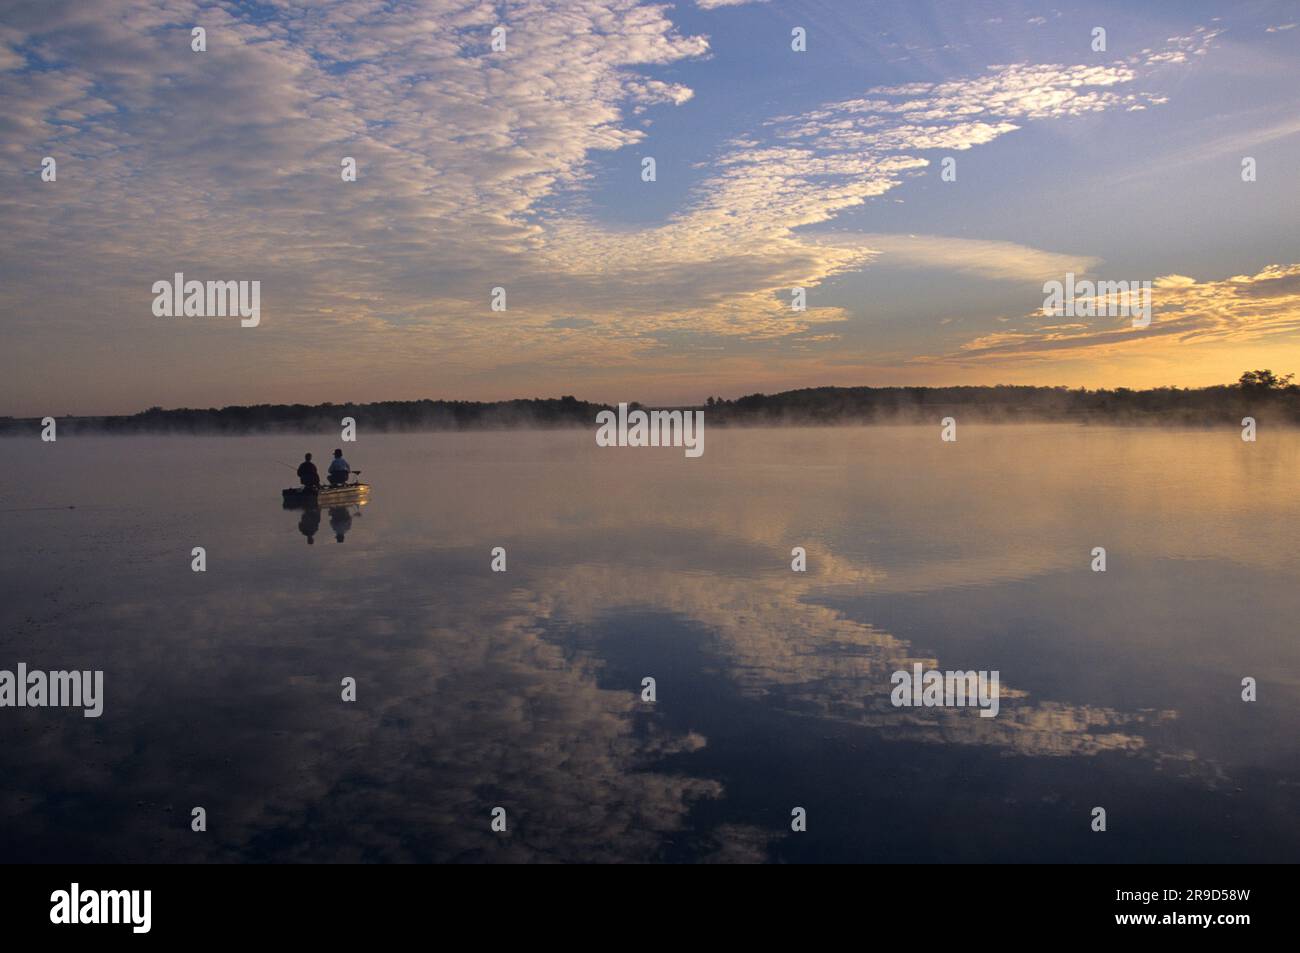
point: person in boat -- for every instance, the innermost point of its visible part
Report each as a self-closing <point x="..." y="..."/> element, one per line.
<point x="339" y="469"/>
<point x="307" y="473"/>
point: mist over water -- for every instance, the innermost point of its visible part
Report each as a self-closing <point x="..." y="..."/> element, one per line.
<point x="522" y="689"/>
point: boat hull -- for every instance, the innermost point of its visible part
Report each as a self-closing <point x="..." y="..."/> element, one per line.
<point x="325" y="496"/>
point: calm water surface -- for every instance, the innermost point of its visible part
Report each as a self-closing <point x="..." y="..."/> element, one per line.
<point x="522" y="689"/>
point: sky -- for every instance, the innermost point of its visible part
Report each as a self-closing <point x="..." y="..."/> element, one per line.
<point x="523" y="168"/>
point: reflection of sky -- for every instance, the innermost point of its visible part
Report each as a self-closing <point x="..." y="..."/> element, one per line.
<point x="521" y="689"/>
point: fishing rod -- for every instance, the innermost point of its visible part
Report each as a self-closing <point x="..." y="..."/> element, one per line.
<point x="351" y="473"/>
<point x="37" y="509"/>
<point x="295" y="469"/>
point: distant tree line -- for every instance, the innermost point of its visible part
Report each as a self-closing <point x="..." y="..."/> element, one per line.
<point x="1260" y="393"/>
<point x="389" y="416"/>
<point x="1256" y="393"/>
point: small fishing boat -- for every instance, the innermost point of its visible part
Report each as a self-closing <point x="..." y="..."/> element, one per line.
<point x="322" y="496"/>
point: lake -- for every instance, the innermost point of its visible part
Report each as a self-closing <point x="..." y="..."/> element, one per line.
<point x="522" y="689"/>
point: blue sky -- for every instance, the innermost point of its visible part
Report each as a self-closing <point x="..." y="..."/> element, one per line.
<point x="520" y="168"/>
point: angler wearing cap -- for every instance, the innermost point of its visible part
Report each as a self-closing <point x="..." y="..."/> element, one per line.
<point x="339" y="469"/>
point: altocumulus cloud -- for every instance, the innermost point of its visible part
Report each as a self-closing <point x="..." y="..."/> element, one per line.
<point x="227" y="163"/>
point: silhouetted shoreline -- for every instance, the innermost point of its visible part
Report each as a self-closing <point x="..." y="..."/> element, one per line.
<point x="1272" y="401"/>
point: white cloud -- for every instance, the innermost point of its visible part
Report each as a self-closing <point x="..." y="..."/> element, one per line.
<point x="993" y="260"/>
<point x="1185" y="311"/>
<point x="227" y="163"/>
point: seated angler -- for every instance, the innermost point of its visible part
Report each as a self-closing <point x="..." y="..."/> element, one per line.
<point x="307" y="472"/>
<point x="339" y="469"/>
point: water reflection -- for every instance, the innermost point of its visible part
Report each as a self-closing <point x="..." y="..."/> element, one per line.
<point x="522" y="689"/>
<point x="309" y="523"/>
<point x="340" y="520"/>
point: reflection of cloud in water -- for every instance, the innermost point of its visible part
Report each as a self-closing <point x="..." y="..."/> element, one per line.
<point x="496" y="717"/>
<point x="470" y="711"/>
<point x="813" y="660"/>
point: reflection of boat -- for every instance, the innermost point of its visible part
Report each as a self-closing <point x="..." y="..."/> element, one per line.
<point x="325" y="495"/>
<point x="340" y="518"/>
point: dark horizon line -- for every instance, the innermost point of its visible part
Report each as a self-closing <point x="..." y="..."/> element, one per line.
<point x="925" y="388"/>
<point x="831" y="404"/>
